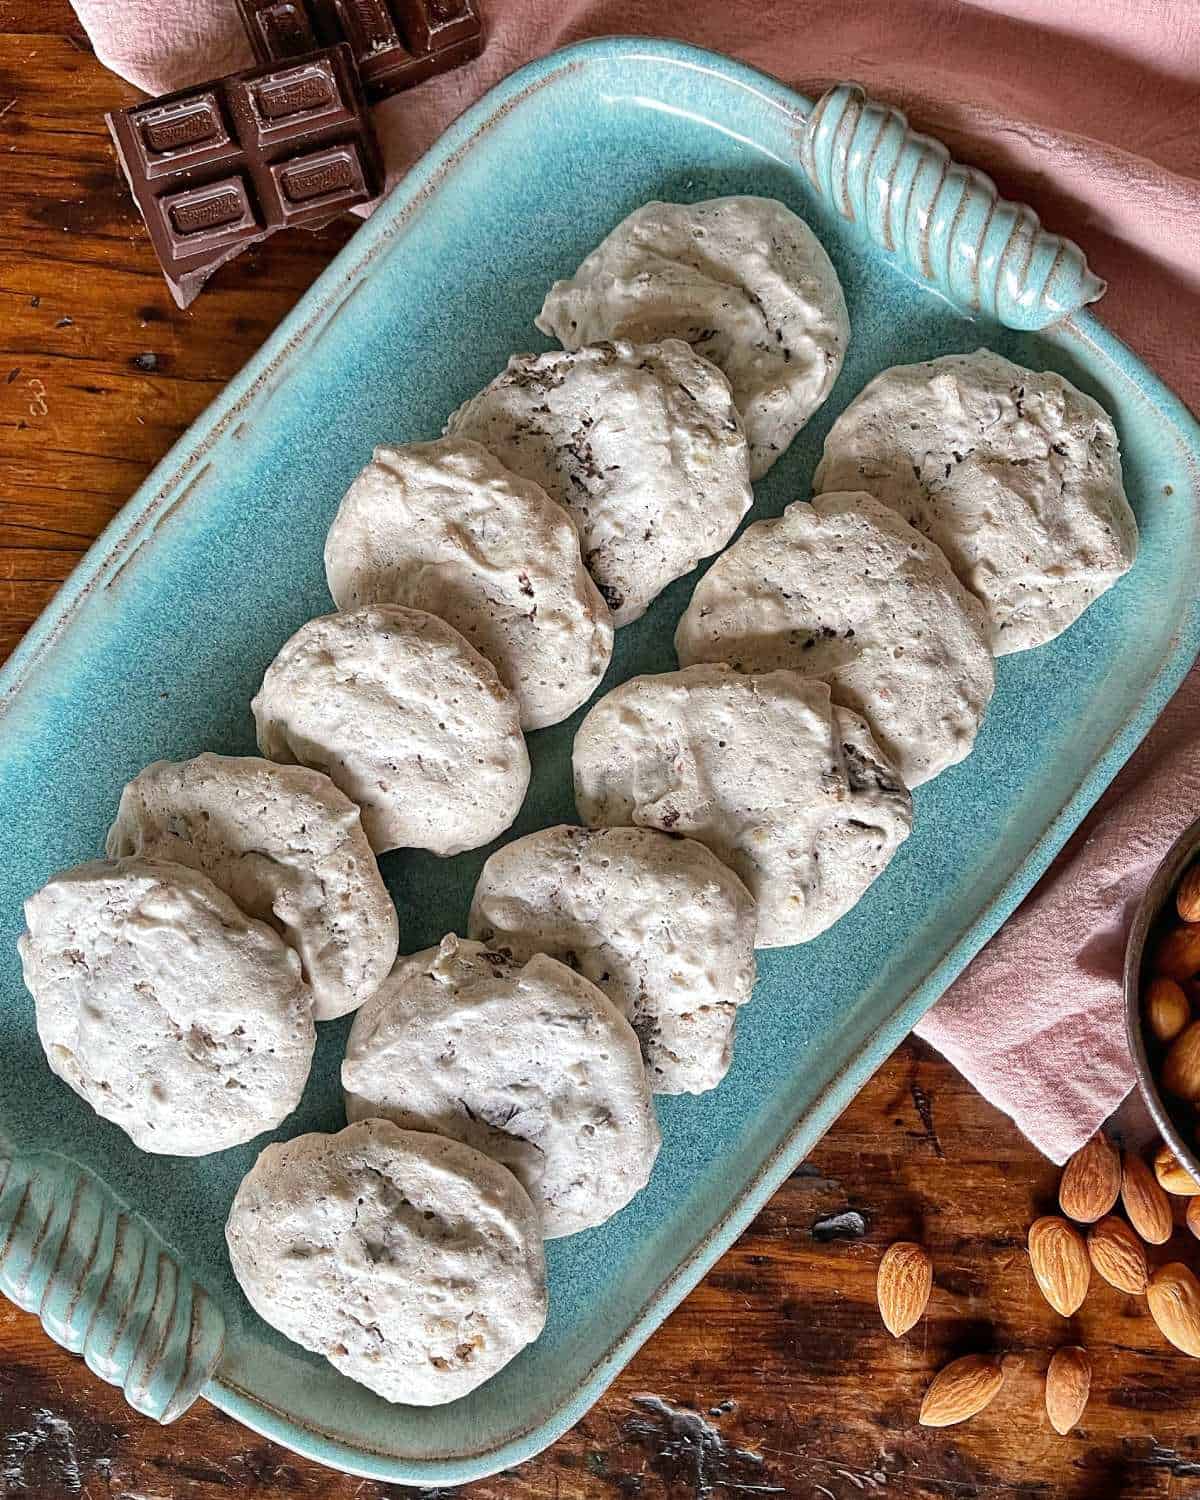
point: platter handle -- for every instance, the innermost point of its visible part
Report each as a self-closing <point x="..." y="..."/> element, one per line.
<point x="104" y="1284"/>
<point x="944" y="223"/>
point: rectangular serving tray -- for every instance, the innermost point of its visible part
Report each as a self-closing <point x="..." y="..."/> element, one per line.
<point x="155" y="645"/>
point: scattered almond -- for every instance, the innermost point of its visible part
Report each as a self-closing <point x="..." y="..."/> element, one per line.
<point x="1178" y="954"/>
<point x="1059" y="1259"/>
<point x="1174" y="1298"/>
<point x="1187" y="897"/>
<point x="1118" y="1255"/>
<point x="1173" y="1175"/>
<point x="1181" y="1070"/>
<point x="961" y="1390"/>
<point x="1068" y="1383"/>
<point x="1147" y="1205"/>
<point x="1192" y="1216"/>
<point x="1091" y="1181"/>
<point x="1167" y="1009"/>
<point x="903" y="1285"/>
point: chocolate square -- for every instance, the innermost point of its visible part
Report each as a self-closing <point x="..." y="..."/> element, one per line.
<point x="367" y="25"/>
<point x="322" y="181"/>
<point x="279" y="28"/>
<point x="432" y="25"/>
<point x="284" y="102"/>
<point x="210" y="217"/>
<point x="184" y="130"/>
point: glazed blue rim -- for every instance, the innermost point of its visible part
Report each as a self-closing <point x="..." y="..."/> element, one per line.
<point x="168" y="485"/>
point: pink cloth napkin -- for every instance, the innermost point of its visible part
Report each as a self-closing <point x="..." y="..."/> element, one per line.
<point x="1088" y="110"/>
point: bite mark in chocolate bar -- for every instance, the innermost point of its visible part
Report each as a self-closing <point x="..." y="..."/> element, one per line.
<point x="216" y="167"/>
<point x="396" y="43"/>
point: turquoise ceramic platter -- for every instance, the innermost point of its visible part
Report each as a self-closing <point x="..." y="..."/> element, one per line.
<point x="156" y="644"/>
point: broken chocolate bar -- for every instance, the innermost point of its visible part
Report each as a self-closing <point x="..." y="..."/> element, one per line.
<point x="216" y="167"/>
<point x="396" y="43"/>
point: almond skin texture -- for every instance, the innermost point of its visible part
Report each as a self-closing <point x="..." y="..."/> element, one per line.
<point x="1181" y="1070"/>
<point x="903" y="1285"/>
<point x="1174" y="1298"/>
<point x="1167" y="1009"/>
<point x="1148" y="1207"/>
<point x="1187" y="897"/>
<point x="1059" y="1259"/>
<point x="1192" y="1216"/>
<point x="961" y="1390"/>
<point x="1068" y="1384"/>
<point x="1090" y="1181"/>
<point x="1118" y="1255"/>
<point x="1172" y="1175"/>
<point x="1178" y="955"/>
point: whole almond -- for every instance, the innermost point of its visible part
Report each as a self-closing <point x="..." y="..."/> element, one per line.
<point x="961" y="1390"/>
<point x="1192" y="1216"/>
<point x="1148" y="1207"/>
<point x="1173" y="1175"/>
<point x="1068" y="1384"/>
<point x="1090" y="1181"/>
<point x="1174" y="1298"/>
<point x="1181" y="1070"/>
<point x="1167" y="1009"/>
<point x="1059" y="1259"/>
<point x="1187" y="897"/>
<point x="1118" y="1255"/>
<point x="903" y="1285"/>
<point x="1178" y="954"/>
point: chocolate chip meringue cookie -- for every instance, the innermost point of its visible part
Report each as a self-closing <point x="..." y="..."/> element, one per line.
<point x="407" y="718"/>
<point x="788" y="789"/>
<point x="642" y="445"/>
<point x="412" y="1263"/>
<point x="446" y="528"/>
<point x="175" y="1015"/>
<point x="743" y="280"/>
<point x="529" y="1063"/>
<point x="287" y="846"/>
<point x="657" y="922"/>
<point x="1014" y="474"/>
<point x="846" y="591"/>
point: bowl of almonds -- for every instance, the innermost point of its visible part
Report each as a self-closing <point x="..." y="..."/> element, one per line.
<point x="1162" y="999"/>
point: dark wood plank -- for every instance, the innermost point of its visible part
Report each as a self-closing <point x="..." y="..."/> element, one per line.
<point x="99" y="370"/>
<point x="42" y="17"/>
<point x="775" y="1376"/>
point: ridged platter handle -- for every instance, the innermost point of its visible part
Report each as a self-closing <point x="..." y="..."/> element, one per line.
<point x="104" y="1284"/>
<point x="945" y="223"/>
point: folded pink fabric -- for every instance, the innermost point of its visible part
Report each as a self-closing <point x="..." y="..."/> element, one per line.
<point x="1087" y="110"/>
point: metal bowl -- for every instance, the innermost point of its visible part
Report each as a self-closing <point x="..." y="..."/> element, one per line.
<point x="1152" y="907"/>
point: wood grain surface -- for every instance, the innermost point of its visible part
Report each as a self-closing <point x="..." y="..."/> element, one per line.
<point x="776" y="1376"/>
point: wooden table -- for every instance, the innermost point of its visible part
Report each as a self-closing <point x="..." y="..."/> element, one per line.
<point x="775" y="1377"/>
